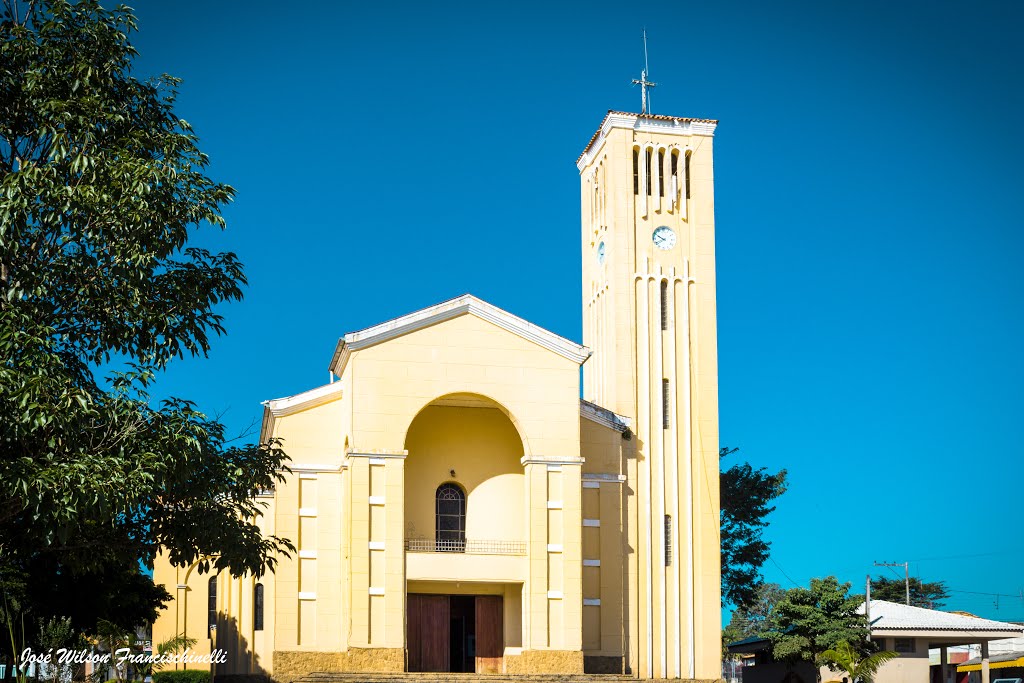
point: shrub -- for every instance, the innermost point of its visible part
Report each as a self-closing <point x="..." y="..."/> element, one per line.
<point x="182" y="676"/>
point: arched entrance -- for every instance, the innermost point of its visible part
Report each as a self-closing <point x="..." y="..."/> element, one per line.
<point x="465" y="516"/>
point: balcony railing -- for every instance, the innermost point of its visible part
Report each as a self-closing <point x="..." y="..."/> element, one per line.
<point x="469" y="546"/>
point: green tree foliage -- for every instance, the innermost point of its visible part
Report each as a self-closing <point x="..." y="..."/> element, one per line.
<point x="930" y="595"/>
<point x="746" y="495"/>
<point x="809" y="621"/>
<point x="752" y="620"/>
<point x="858" y="668"/>
<point x="101" y="188"/>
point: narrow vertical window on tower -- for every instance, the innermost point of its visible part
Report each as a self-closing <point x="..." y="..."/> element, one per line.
<point x="664" y="304"/>
<point x="661" y="173"/>
<point x="636" y="171"/>
<point x="647" y="169"/>
<point x="257" y="607"/>
<point x="668" y="540"/>
<point x="211" y="602"/>
<point x="686" y="172"/>
<point x="664" y="404"/>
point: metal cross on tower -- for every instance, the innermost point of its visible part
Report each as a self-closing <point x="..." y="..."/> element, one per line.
<point x="643" y="82"/>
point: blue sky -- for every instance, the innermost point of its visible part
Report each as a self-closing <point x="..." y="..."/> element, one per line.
<point x="869" y="211"/>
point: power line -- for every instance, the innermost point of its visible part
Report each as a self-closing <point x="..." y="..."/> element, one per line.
<point x="779" y="567"/>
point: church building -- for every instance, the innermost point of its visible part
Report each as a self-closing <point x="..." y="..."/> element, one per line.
<point x="458" y="507"/>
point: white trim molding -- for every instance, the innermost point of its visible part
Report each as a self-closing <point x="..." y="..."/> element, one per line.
<point x="376" y="545"/>
<point x="288" y="405"/>
<point x="554" y="595"/>
<point x="376" y="590"/>
<point x="643" y="123"/>
<point x="549" y="460"/>
<point x="307" y="554"/>
<point x="314" y="468"/>
<point x="377" y="454"/>
<point x="554" y="505"/>
<point x="376" y="500"/>
<point x="603" y="416"/>
<point x="307" y="595"/>
<point x="446" y="310"/>
<point x="602" y="478"/>
<point x="307" y="512"/>
<point x="554" y="547"/>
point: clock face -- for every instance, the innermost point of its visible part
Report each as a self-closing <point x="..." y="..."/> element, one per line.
<point x="600" y="253"/>
<point x="664" y="237"/>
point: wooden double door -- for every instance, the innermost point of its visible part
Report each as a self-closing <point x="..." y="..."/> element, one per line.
<point x="457" y="633"/>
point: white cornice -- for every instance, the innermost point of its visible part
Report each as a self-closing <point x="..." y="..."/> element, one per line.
<point x="307" y="399"/>
<point x="643" y="124"/>
<point x="467" y="303"/>
<point x="603" y="416"/>
<point x="315" y="467"/>
<point x="279" y="407"/>
<point x="549" y="460"/>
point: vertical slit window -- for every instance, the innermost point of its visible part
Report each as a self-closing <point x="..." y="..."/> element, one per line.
<point x="647" y="169"/>
<point x="664" y="304"/>
<point x="664" y="404"/>
<point x="451" y="519"/>
<point x="686" y="169"/>
<point x="257" y="607"/>
<point x="636" y="171"/>
<point x="661" y="173"/>
<point x="211" y="603"/>
<point x="668" y="540"/>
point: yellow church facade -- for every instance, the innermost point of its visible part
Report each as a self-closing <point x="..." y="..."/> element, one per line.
<point x="458" y="507"/>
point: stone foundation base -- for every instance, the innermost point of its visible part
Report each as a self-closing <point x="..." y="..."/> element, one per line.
<point x="290" y="665"/>
<point x="595" y="664"/>
<point x="545" y="662"/>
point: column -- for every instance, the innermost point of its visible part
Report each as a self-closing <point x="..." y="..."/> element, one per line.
<point x="554" y="587"/>
<point x="944" y="663"/>
<point x="985" y="678"/>
<point x="376" y="599"/>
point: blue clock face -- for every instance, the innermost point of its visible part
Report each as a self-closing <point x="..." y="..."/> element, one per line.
<point x="600" y="253"/>
<point x="664" y="237"/>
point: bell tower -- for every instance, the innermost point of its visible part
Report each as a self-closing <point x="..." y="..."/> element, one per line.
<point x="648" y="244"/>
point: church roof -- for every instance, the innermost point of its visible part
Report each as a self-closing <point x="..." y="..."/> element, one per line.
<point x="622" y="117"/>
<point x="446" y="310"/>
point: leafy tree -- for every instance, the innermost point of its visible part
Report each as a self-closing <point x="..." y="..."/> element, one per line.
<point x="930" y="595"/>
<point x="752" y="620"/>
<point x="101" y="188"/>
<point x="858" y="668"/>
<point x="746" y="496"/>
<point x="809" y="621"/>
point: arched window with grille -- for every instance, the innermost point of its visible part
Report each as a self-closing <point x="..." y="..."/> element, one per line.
<point x="451" y="519"/>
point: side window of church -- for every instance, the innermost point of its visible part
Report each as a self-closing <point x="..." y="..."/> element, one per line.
<point x="211" y="590"/>
<point x="668" y="540"/>
<point x="257" y="607"/>
<point x="636" y="171"/>
<point x="665" y="423"/>
<point x="451" y="519"/>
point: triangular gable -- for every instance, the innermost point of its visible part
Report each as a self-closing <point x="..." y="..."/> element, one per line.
<point x="453" y="308"/>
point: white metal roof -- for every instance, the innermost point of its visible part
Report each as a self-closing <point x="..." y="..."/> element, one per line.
<point x="886" y="615"/>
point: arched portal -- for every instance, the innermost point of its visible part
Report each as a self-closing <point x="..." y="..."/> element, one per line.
<point x="465" y="517"/>
<point x="464" y="445"/>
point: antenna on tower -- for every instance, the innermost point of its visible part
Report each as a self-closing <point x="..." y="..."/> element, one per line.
<point x="643" y="82"/>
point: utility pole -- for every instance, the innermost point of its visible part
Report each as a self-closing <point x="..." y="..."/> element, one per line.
<point x="906" y="573"/>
